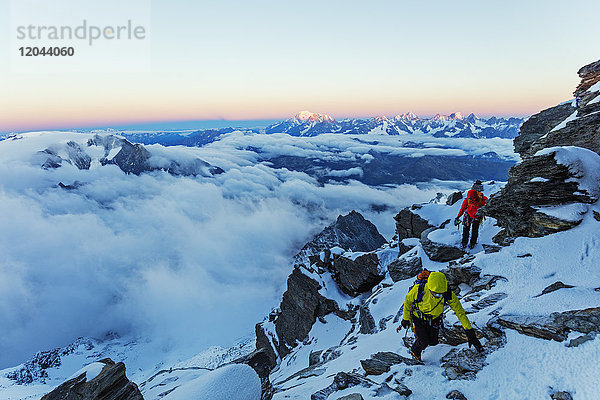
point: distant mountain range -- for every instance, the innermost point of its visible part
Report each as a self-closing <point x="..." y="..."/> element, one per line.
<point x="308" y="124"/>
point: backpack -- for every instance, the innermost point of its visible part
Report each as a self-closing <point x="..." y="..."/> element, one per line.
<point x="421" y="281"/>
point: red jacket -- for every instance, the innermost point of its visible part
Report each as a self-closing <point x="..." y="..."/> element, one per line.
<point x="474" y="201"/>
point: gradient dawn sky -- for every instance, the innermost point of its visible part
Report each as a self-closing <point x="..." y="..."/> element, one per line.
<point x="259" y="59"/>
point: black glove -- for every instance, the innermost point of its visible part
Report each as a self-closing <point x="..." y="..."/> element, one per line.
<point x="473" y="341"/>
<point x="405" y="323"/>
<point x="457" y="221"/>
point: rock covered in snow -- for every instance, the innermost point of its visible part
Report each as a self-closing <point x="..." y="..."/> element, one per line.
<point x="110" y="383"/>
<point x="439" y="251"/>
<point x="359" y="275"/>
<point x="410" y="224"/>
<point x="381" y="362"/>
<point x="560" y="148"/>
<point x="350" y="232"/>
<point x="405" y="267"/>
<point x="300" y="307"/>
<point x="453" y="198"/>
<point x="556" y="326"/>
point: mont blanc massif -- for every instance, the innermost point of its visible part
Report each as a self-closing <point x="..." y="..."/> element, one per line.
<point x="273" y="262"/>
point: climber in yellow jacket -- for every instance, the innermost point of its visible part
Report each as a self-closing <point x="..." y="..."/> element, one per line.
<point x="424" y="305"/>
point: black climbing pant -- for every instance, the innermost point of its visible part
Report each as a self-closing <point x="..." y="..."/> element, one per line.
<point x="473" y="225"/>
<point x="426" y="333"/>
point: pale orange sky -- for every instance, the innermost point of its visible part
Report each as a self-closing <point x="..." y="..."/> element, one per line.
<point x="269" y="60"/>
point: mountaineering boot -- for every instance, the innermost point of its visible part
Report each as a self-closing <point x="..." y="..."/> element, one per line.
<point x="471" y="246"/>
<point x="416" y="354"/>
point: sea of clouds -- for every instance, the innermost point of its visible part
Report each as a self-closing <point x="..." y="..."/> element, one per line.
<point x="185" y="262"/>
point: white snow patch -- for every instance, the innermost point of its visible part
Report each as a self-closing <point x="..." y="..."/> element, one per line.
<point x="538" y="179"/>
<point x="563" y="124"/>
<point x="565" y="212"/>
<point x="584" y="164"/>
<point x="91" y="371"/>
<point x="238" y="381"/>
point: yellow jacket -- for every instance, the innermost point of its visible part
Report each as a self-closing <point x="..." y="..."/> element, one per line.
<point x="430" y="305"/>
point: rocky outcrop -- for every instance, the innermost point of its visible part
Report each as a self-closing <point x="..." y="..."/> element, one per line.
<point x="464" y="363"/>
<point x="554" y="287"/>
<point x="381" y="362"/>
<point x="366" y="321"/>
<point x="261" y="362"/>
<point x="456" y="395"/>
<point x="357" y="276"/>
<point x="439" y="251"/>
<point x="410" y="224"/>
<point x="556" y="326"/>
<point x="540" y="181"/>
<point x="405" y="268"/>
<point x="110" y="384"/>
<point x="453" y="198"/>
<point x="300" y="307"/>
<point x="341" y="381"/>
<point x="350" y="232"/>
<point x="130" y="158"/>
<point x="35" y="370"/>
<point x="539" y="125"/>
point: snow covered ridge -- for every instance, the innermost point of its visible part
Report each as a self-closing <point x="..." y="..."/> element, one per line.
<point x="329" y="342"/>
<point x="90" y="151"/>
<point x="551" y="189"/>
<point x="306" y="123"/>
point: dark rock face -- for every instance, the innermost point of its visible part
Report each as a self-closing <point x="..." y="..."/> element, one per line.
<point x="439" y="251"/>
<point x="350" y="232"/>
<point x="561" y="396"/>
<point x="381" y="362"/>
<point x="110" y="384"/>
<point x="341" y="381"/>
<point x="366" y="321"/>
<point x="34" y="370"/>
<point x="405" y="268"/>
<point x="465" y="363"/>
<point x="358" y="276"/>
<point x="514" y="206"/>
<point x="538" y="125"/>
<point x="456" y="395"/>
<point x="556" y="326"/>
<point x="300" y="307"/>
<point x="453" y="198"/>
<point x="78" y="156"/>
<point x="410" y="225"/>
<point x="260" y="361"/>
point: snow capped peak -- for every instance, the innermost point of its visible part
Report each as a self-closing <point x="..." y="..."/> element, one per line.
<point x="380" y="118"/>
<point x="307" y="116"/>
<point x="456" y="115"/>
<point x="439" y="117"/>
<point x="406" y="116"/>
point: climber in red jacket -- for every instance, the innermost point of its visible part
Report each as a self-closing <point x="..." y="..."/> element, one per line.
<point x="470" y="208"/>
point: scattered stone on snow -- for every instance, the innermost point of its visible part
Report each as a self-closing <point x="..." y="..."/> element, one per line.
<point x="381" y="362"/>
<point x="456" y="395"/>
<point x="554" y="287"/>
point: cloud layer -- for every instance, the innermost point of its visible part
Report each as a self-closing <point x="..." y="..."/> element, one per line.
<point x="187" y="262"/>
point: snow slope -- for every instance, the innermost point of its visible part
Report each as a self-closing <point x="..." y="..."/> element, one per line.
<point x="524" y="368"/>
